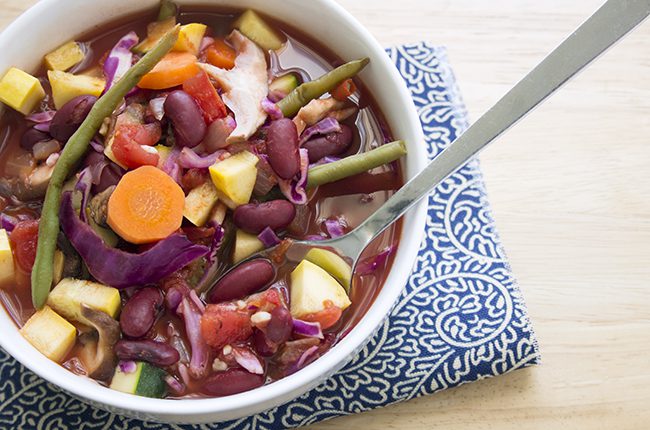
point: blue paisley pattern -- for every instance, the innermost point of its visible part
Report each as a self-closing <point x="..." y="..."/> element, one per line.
<point x="461" y="317"/>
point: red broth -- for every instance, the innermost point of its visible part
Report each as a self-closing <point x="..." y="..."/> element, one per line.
<point x="354" y="199"/>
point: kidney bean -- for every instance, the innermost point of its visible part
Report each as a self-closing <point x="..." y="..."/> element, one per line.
<point x="31" y="137"/>
<point x="139" y="313"/>
<point x="68" y="119"/>
<point x="231" y="381"/>
<point x="330" y="144"/>
<point x="280" y="326"/>
<point x="151" y="351"/>
<point x="282" y="148"/>
<point x="243" y="280"/>
<point x="263" y="345"/>
<point x="185" y="114"/>
<point x="255" y="217"/>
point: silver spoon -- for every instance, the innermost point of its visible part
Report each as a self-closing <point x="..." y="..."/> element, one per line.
<point x="605" y="27"/>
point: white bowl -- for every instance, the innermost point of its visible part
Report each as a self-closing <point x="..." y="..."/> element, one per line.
<point x="50" y="23"/>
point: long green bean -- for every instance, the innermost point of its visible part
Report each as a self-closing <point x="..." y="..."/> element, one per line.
<point x="355" y="164"/>
<point x="75" y="148"/>
<point x="303" y="94"/>
<point x="167" y="10"/>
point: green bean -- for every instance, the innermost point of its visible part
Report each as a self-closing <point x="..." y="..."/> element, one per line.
<point x="75" y="148"/>
<point x="303" y="94"/>
<point x="167" y="10"/>
<point x="355" y="164"/>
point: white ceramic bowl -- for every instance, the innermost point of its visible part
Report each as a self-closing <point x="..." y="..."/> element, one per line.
<point x="50" y="23"/>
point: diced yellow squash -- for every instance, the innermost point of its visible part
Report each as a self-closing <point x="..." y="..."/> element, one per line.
<point x="69" y="294"/>
<point x="50" y="333"/>
<point x="59" y="260"/>
<point x="20" y="91"/>
<point x="155" y="31"/>
<point x="235" y="178"/>
<point x="199" y="203"/>
<point x="189" y="38"/>
<point x="251" y="25"/>
<point x="312" y="287"/>
<point x="6" y="259"/>
<point x="65" y="56"/>
<point x="218" y="214"/>
<point x="66" y="86"/>
<point x="333" y="264"/>
<point x="246" y="244"/>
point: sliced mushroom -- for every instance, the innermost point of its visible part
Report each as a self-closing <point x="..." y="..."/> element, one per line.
<point x="100" y="358"/>
<point x="99" y="206"/>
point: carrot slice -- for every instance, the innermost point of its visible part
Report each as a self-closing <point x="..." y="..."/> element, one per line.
<point x="172" y="70"/>
<point x="219" y="54"/>
<point x="146" y="206"/>
<point x="344" y="90"/>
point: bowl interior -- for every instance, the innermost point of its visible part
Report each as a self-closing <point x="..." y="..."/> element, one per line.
<point x="53" y="22"/>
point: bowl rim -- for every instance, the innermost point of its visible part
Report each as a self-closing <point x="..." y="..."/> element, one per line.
<point x="290" y="387"/>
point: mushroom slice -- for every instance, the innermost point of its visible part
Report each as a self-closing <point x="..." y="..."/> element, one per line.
<point x="100" y="359"/>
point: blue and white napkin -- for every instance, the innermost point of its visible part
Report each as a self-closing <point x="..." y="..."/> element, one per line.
<point x="461" y="317"/>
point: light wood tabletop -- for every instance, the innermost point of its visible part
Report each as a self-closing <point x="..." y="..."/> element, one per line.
<point x="570" y="189"/>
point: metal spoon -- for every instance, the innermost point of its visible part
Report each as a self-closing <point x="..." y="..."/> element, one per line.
<point x="605" y="27"/>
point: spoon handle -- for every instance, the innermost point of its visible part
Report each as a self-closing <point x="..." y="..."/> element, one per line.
<point x="606" y="26"/>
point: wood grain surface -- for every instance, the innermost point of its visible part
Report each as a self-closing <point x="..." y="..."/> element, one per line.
<point x="570" y="189"/>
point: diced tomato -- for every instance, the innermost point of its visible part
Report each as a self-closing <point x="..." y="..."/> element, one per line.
<point x="193" y="178"/>
<point x="327" y="317"/>
<point x="128" y="141"/>
<point x="24" y="239"/>
<point x="344" y="90"/>
<point x="221" y="55"/>
<point x="224" y="324"/>
<point x="206" y="96"/>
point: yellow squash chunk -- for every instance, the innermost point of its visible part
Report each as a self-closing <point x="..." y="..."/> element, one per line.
<point x="246" y="244"/>
<point x="6" y="259"/>
<point x="333" y="264"/>
<point x="189" y="39"/>
<point x="69" y="294"/>
<point x="66" y="86"/>
<point x="199" y="203"/>
<point x="235" y="178"/>
<point x="65" y="56"/>
<point x="155" y="31"/>
<point x="218" y="214"/>
<point x="20" y="91"/>
<point x="59" y="261"/>
<point x="51" y="334"/>
<point x="311" y="287"/>
<point x="251" y="25"/>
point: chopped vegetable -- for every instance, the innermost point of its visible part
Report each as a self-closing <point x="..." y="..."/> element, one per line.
<point x="202" y="90"/>
<point x="334" y="227"/>
<point x="69" y="294"/>
<point x="333" y="264"/>
<point x="246" y="244"/>
<point x="188" y="159"/>
<point x="355" y="164"/>
<point x="65" y="56"/>
<point x="144" y="380"/>
<point x="199" y="203"/>
<point x="146" y="206"/>
<point x="24" y="240"/>
<point x="162" y="259"/>
<point x="326" y="317"/>
<point x="253" y="26"/>
<point x="316" y="88"/>
<point x="306" y="328"/>
<point x="324" y="126"/>
<point x="50" y="333"/>
<point x="172" y="70"/>
<point x="268" y="237"/>
<point x="99" y="357"/>
<point x="220" y="54"/>
<point x="59" y="267"/>
<point x="189" y="39"/>
<point x="66" y="86"/>
<point x="155" y="32"/>
<point x="223" y="324"/>
<point x="168" y="9"/>
<point x="312" y="288"/>
<point x="370" y="264"/>
<point x="20" y="90"/>
<point x="283" y="85"/>
<point x="119" y="59"/>
<point x="344" y="90"/>
<point x="235" y="178"/>
<point x="129" y="145"/>
<point x="294" y="189"/>
<point x="6" y="259"/>
<point x="192" y="313"/>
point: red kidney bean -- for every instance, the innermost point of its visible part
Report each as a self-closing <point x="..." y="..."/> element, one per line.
<point x="139" y="313"/>
<point x="68" y="119"/>
<point x="282" y="148"/>
<point x="263" y="345"/>
<point x="243" y="280"/>
<point x="31" y="137"/>
<point x="280" y="326"/>
<point x="330" y="144"/>
<point x="156" y="353"/>
<point x="255" y="217"/>
<point x="231" y="381"/>
<point x="185" y="114"/>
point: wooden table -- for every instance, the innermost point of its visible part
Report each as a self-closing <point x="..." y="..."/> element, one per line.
<point x="570" y="189"/>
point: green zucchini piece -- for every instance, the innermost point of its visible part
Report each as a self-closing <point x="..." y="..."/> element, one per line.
<point x="146" y="380"/>
<point x="284" y="84"/>
<point x="253" y="26"/>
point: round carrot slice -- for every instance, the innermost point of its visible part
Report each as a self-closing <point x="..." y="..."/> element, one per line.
<point x="172" y="70"/>
<point x="146" y="206"/>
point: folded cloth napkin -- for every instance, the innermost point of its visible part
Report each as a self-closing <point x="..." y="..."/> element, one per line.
<point x="461" y="317"/>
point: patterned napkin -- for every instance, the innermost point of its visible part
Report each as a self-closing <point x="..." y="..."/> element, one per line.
<point x="461" y="317"/>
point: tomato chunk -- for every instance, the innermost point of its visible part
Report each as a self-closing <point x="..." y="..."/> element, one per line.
<point x="224" y="324"/>
<point x="128" y="142"/>
<point x="344" y="90"/>
<point x="327" y="317"/>
<point x="24" y="239"/>
<point x="206" y="96"/>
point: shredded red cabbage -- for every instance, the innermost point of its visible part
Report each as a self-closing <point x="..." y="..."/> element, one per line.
<point x="315" y="237"/>
<point x="324" y="126"/>
<point x="249" y="361"/>
<point x="325" y="160"/>
<point x="335" y="227"/>
<point x="96" y="146"/>
<point x="268" y="237"/>
<point x="306" y="357"/>
<point x="370" y="264"/>
<point x="188" y="159"/>
<point x="271" y="109"/>
<point x="8" y="222"/>
<point x="294" y="189"/>
<point x="162" y="259"/>
<point x="211" y="265"/>
<point x="191" y="315"/>
<point x="44" y="127"/>
<point x="84" y="183"/>
<point x="174" y="384"/>
<point x="171" y="167"/>
<point x="306" y="328"/>
<point x="127" y="366"/>
<point x="205" y="42"/>
<point x="119" y="59"/>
